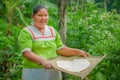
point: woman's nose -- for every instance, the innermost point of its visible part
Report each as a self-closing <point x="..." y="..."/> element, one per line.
<point x="44" y="17"/>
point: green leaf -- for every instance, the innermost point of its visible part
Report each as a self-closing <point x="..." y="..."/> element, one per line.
<point x="21" y="16"/>
<point x="99" y="76"/>
<point x="91" y="1"/>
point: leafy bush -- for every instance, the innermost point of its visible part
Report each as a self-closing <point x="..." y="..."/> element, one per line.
<point x="10" y="56"/>
<point x="90" y="29"/>
<point x="97" y="33"/>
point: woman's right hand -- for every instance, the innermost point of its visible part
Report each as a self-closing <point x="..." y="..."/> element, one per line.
<point x="46" y="64"/>
<point x="37" y="59"/>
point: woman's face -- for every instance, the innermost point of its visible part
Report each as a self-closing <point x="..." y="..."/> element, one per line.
<point x="40" y="18"/>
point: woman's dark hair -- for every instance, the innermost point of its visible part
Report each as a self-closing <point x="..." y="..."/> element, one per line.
<point x="37" y="8"/>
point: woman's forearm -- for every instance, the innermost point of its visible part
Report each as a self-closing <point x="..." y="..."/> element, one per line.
<point x="32" y="57"/>
<point x="66" y="51"/>
<point x="37" y="59"/>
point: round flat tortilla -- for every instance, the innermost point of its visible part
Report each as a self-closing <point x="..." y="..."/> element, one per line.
<point x="76" y="65"/>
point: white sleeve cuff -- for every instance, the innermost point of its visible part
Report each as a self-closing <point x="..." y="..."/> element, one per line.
<point x="60" y="47"/>
<point x="26" y="49"/>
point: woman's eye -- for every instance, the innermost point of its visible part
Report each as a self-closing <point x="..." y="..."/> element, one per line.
<point x="40" y="15"/>
<point x="46" y="15"/>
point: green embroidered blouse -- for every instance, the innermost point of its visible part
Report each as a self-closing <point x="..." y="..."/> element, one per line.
<point x="45" y="45"/>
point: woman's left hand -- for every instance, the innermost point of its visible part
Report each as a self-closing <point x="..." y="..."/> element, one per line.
<point x="83" y="53"/>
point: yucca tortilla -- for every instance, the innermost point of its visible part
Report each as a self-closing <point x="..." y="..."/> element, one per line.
<point x="76" y="65"/>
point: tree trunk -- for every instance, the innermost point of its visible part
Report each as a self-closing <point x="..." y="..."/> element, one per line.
<point x="83" y="3"/>
<point x="105" y="5"/>
<point x="62" y="23"/>
<point x="62" y="19"/>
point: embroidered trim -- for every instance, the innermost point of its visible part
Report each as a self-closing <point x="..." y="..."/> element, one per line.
<point x="36" y="37"/>
<point x="51" y="31"/>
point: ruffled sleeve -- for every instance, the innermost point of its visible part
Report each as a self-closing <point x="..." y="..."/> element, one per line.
<point x="58" y="40"/>
<point x="25" y="40"/>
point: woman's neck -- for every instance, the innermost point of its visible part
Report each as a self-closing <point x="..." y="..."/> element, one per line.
<point x="41" y="29"/>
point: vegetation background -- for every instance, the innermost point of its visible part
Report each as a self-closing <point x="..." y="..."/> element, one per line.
<point x="92" y="25"/>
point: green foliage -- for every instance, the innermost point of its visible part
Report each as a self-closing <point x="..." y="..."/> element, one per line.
<point x="71" y="77"/>
<point x="97" y="32"/>
<point x="9" y="53"/>
<point x="88" y="28"/>
<point x="21" y="16"/>
<point x="99" y="76"/>
<point x="9" y="8"/>
<point x="91" y="1"/>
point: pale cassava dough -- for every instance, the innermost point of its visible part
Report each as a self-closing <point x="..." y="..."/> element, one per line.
<point x="76" y="65"/>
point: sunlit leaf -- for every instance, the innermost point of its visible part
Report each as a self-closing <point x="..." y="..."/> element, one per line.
<point x="91" y="1"/>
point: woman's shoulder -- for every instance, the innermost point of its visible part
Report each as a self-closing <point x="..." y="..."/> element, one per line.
<point x="25" y="30"/>
<point x="27" y="27"/>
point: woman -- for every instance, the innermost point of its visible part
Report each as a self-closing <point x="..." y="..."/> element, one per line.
<point x="40" y="42"/>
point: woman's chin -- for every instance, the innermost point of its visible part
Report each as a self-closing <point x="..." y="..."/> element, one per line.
<point x="42" y="24"/>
